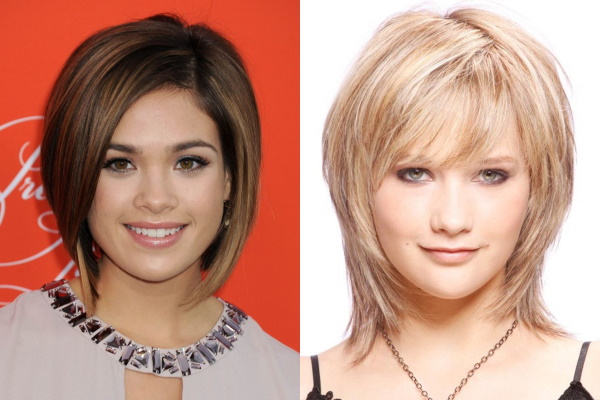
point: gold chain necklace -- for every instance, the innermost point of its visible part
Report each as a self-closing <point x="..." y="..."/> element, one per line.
<point x="464" y="381"/>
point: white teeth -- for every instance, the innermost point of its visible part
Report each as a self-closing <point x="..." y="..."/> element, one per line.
<point x="154" y="233"/>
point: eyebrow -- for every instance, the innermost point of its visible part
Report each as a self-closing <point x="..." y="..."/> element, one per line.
<point x="504" y="159"/>
<point x="176" y="148"/>
<point x="423" y="160"/>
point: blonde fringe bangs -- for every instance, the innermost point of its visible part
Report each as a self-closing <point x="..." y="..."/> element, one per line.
<point x="446" y="88"/>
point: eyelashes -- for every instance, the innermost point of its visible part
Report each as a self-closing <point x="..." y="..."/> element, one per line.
<point x="191" y="163"/>
<point x="493" y="176"/>
<point x="414" y="175"/>
<point x="186" y="164"/>
<point x="489" y="176"/>
<point x="118" y="165"/>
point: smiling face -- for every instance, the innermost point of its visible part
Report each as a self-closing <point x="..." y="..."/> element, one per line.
<point x="450" y="230"/>
<point x="159" y="200"/>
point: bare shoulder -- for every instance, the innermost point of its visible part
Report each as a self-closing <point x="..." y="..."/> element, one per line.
<point x="591" y="370"/>
<point x="569" y="351"/>
<point x="327" y="362"/>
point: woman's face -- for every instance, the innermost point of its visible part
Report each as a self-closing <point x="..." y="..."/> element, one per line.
<point x="159" y="200"/>
<point x="451" y="230"/>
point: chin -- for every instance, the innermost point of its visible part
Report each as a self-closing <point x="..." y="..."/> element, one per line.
<point x="156" y="273"/>
<point x="448" y="294"/>
<point x="449" y="291"/>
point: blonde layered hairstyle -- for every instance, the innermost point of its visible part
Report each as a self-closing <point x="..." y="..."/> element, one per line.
<point x="103" y="77"/>
<point x="450" y="85"/>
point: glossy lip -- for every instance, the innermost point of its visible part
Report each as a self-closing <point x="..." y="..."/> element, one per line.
<point x="450" y="256"/>
<point x="155" y="242"/>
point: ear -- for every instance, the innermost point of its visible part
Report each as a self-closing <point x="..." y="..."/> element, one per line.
<point x="227" y="189"/>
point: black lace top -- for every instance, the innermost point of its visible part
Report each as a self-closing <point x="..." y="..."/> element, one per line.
<point x="575" y="391"/>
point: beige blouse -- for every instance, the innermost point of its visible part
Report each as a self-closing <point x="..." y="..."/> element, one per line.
<point x="49" y="349"/>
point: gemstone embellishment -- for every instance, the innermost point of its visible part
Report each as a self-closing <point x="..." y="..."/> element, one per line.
<point x="103" y="334"/>
<point x="156" y="361"/>
<point x="206" y="353"/>
<point x="116" y="342"/>
<point x="168" y="361"/>
<point x="163" y="362"/>
<point x="92" y="325"/>
<point x="183" y="363"/>
<point x="126" y="355"/>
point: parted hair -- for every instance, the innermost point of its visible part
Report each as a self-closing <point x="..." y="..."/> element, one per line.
<point x="452" y="82"/>
<point x="103" y="77"/>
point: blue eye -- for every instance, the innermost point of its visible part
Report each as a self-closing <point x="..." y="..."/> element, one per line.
<point x="492" y="176"/>
<point x="191" y="163"/>
<point x="414" y="175"/>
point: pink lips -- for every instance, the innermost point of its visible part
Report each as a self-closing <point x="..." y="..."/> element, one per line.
<point x="450" y="256"/>
<point x="155" y="235"/>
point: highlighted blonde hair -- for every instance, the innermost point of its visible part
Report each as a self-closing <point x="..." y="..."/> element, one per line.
<point x="453" y="82"/>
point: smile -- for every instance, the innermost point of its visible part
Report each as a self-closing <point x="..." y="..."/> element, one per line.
<point x="155" y="233"/>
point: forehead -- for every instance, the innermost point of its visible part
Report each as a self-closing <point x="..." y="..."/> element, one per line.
<point x="164" y="118"/>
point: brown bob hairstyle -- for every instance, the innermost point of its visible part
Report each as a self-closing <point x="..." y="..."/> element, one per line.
<point x="103" y="77"/>
<point x="448" y="84"/>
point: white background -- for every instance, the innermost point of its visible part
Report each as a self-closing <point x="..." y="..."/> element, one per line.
<point x="332" y="33"/>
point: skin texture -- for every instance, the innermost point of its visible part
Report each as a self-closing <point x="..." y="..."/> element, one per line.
<point x="148" y="180"/>
<point x="423" y="212"/>
<point x="524" y="368"/>
<point x="156" y="184"/>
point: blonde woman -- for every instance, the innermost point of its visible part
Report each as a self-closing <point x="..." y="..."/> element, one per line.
<point x="449" y="157"/>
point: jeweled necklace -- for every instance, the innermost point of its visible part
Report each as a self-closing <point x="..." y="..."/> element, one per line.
<point x="464" y="381"/>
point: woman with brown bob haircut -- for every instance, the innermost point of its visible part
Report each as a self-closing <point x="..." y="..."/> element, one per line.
<point x="150" y="161"/>
<point x="449" y="157"/>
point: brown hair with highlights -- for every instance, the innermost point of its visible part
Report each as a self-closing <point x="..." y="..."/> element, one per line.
<point x="103" y="77"/>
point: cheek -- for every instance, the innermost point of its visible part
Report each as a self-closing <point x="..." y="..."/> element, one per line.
<point x="205" y="202"/>
<point x="103" y="211"/>
<point x="205" y="207"/>
<point x="110" y="197"/>
<point x="398" y="217"/>
<point x="504" y="213"/>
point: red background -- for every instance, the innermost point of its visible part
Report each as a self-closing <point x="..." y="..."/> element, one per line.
<point x="37" y="36"/>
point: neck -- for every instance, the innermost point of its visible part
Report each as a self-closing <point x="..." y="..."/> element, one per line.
<point x="446" y="337"/>
<point x="152" y="313"/>
<point x="439" y="352"/>
<point x="461" y="318"/>
<point x="457" y="329"/>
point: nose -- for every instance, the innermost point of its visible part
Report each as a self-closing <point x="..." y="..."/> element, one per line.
<point x="155" y="192"/>
<point x="452" y="211"/>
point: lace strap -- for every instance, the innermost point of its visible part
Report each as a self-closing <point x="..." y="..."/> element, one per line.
<point x="580" y="362"/>
<point x="314" y="360"/>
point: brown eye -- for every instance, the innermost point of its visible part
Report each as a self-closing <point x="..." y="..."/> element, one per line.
<point x="186" y="164"/>
<point x="189" y="164"/>
<point x="119" y="165"/>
